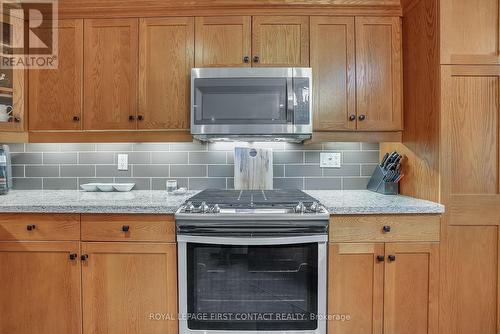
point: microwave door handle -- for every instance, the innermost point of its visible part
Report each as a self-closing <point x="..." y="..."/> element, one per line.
<point x="289" y="100"/>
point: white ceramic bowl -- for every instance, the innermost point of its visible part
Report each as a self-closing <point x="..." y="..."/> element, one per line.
<point x="123" y="187"/>
<point x="89" y="187"/>
<point x="106" y="187"/>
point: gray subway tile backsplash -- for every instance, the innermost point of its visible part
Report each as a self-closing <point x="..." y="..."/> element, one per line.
<point x="193" y="165"/>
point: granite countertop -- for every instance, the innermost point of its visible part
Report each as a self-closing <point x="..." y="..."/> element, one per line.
<point x="160" y="202"/>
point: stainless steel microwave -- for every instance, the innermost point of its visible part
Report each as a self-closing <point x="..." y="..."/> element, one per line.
<point x="251" y="104"/>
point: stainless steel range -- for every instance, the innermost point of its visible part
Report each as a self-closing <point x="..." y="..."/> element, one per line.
<point x="252" y="262"/>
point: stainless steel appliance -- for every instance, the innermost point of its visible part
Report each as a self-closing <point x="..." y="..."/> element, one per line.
<point x="5" y="170"/>
<point x="251" y="104"/>
<point x="252" y="262"/>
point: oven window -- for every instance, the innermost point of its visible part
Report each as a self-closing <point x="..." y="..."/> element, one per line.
<point x="240" y="101"/>
<point x="252" y="287"/>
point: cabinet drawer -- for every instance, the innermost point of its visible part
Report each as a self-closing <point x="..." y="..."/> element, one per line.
<point x="39" y="227"/>
<point x="384" y="228"/>
<point x="111" y="227"/>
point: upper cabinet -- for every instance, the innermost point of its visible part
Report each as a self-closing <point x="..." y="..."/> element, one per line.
<point x="56" y="95"/>
<point x="280" y="41"/>
<point x="223" y="41"/>
<point x="110" y="75"/>
<point x="379" y="77"/>
<point x="166" y="56"/>
<point x="470" y="31"/>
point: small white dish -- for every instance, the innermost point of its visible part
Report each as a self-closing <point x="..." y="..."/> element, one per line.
<point x="106" y="187"/>
<point x="123" y="187"/>
<point x="89" y="187"/>
<point x="180" y="191"/>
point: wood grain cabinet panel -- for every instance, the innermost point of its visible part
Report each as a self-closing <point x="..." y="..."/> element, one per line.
<point x="166" y="56"/>
<point x="355" y="288"/>
<point x="378" y="73"/>
<point x="41" y="288"/>
<point x="55" y="95"/>
<point x="333" y="64"/>
<point x="123" y="283"/>
<point x="411" y="288"/>
<point x="110" y="74"/>
<point x="39" y="227"/>
<point x="223" y="41"/>
<point x="280" y="41"/>
<point x="470" y="31"/>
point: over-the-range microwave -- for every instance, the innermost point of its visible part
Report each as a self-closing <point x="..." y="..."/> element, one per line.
<point x="251" y="104"/>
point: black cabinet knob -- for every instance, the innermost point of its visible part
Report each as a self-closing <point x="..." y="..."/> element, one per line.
<point x="256" y="59"/>
<point x="386" y="229"/>
<point x="246" y="59"/>
<point x="72" y="256"/>
<point x="380" y="258"/>
<point x="76" y="118"/>
<point x="392" y="258"/>
<point x="131" y="118"/>
<point x="140" y="117"/>
<point x="30" y="227"/>
<point x="84" y="257"/>
<point x="352" y="118"/>
<point x="125" y="228"/>
<point x="362" y="117"/>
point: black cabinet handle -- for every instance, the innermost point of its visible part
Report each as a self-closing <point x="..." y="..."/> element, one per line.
<point x="256" y="59"/>
<point x="246" y="59"/>
<point x="31" y="227"/>
<point x="362" y="117"/>
<point x="352" y="118"/>
<point x="125" y="228"/>
<point x="76" y="118"/>
<point x="140" y="117"/>
<point x="72" y="256"/>
<point x="386" y="229"/>
<point x="380" y="258"/>
<point x="131" y="118"/>
<point x="392" y="258"/>
<point x="84" y="257"/>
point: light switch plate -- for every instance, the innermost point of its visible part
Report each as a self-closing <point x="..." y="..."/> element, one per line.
<point x="122" y="161"/>
<point x="330" y="160"/>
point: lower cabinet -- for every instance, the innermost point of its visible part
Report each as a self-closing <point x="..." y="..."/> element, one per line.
<point x="40" y="287"/>
<point x="386" y="288"/>
<point x="129" y="288"/>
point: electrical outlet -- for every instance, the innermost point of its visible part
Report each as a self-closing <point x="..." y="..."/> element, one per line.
<point x="330" y="160"/>
<point x="122" y="161"/>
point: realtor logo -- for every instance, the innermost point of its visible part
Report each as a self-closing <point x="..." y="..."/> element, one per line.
<point x="29" y="34"/>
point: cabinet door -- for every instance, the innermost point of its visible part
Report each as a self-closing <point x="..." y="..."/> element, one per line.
<point x="280" y="41"/>
<point x="355" y="288"/>
<point x="378" y="73"/>
<point x="470" y="31"/>
<point x="166" y="56"/>
<point x="333" y="64"/>
<point x="223" y="41"/>
<point x="40" y="288"/>
<point x="411" y="288"/>
<point x="110" y="75"/>
<point x="126" y="284"/>
<point x="56" y="95"/>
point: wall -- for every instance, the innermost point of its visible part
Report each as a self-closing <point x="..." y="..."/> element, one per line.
<point x="194" y="165"/>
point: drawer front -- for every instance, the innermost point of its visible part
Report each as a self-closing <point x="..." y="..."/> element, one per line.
<point x="384" y="228"/>
<point x="39" y="227"/>
<point x="111" y="227"/>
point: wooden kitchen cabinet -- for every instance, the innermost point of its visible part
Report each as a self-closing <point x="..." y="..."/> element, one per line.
<point x="124" y="283"/>
<point x="333" y="64"/>
<point x="41" y="288"/>
<point x="110" y="74"/>
<point x="166" y="56"/>
<point x="280" y="41"/>
<point x="378" y="74"/>
<point x="55" y="95"/>
<point x="223" y="41"/>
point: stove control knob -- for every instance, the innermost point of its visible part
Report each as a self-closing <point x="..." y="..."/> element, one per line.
<point x="204" y="208"/>
<point x="216" y="208"/>
<point x="300" y="208"/>
<point x="315" y="207"/>
<point x="189" y="207"/>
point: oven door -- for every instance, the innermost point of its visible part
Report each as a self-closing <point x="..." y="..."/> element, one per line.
<point x="252" y="285"/>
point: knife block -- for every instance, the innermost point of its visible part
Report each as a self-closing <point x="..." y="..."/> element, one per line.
<point x="377" y="183"/>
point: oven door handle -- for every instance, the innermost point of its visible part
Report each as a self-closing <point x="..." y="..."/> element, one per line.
<point x="250" y="241"/>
